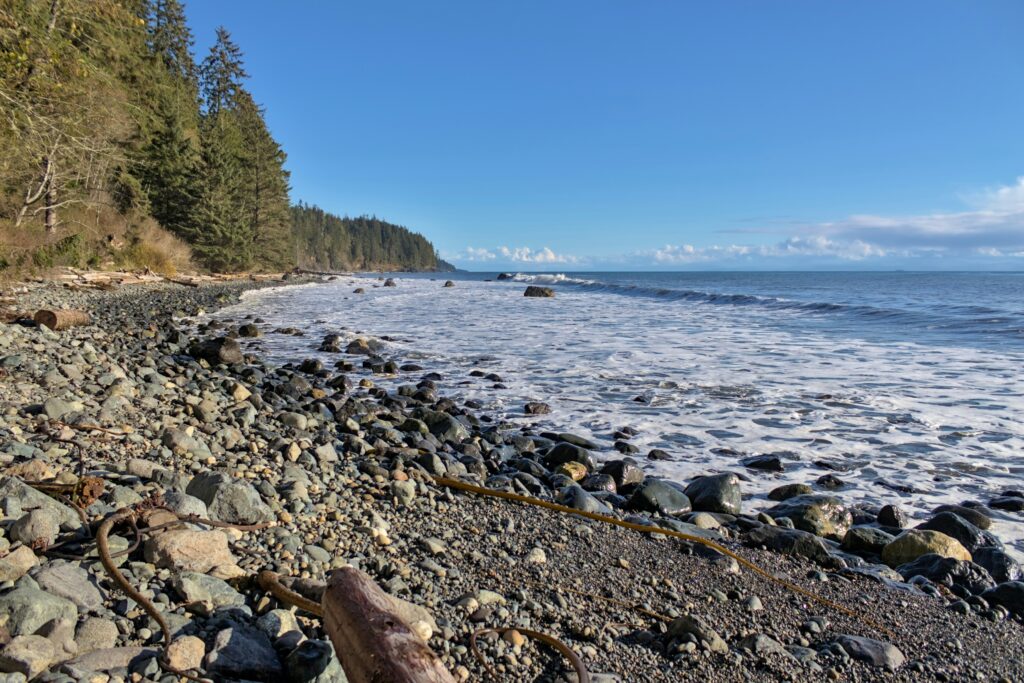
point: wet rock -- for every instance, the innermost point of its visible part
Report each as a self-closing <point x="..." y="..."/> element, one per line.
<point x="955" y="526"/>
<point x="536" y="408"/>
<point x="892" y="516"/>
<point x="1009" y="595"/>
<point x="874" y="652"/>
<point x="221" y="350"/>
<point x="314" y="662"/>
<point x="656" y="495"/>
<point x="534" y="291"/>
<point x="248" y="330"/>
<point x="998" y="564"/>
<point x="449" y="283"/>
<point x="624" y="472"/>
<point x="390" y="282"/>
<point x="228" y="499"/>
<point x="567" y="452"/>
<point x="790" y="542"/>
<point x="949" y="572"/>
<point x="864" y="539"/>
<point x="243" y="652"/>
<point x="575" y="497"/>
<point x="972" y="515"/>
<point x="716" y="493"/>
<point x="788" y="491"/>
<point x="767" y="463"/>
<point x="821" y="515"/>
<point x="1008" y="503"/>
<point x="913" y="543"/>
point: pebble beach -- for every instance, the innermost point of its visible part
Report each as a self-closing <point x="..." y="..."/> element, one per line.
<point x="175" y="410"/>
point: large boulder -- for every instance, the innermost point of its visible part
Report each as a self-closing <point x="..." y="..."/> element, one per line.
<point x="913" y="543"/>
<point x="656" y="495"/>
<point x="955" y="526"/>
<point x="998" y="564"/>
<point x="1010" y="595"/>
<point x="866" y="539"/>
<point x="220" y="350"/>
<point x="543" y="292"/>
<point x="790" y="542"/>
<point x="821" y="515"/>
<point x="562" y="453"/>
<point x="625" y="472"/>
<point x="229" y="499"/>
<point x="716" y="493"/>
<point x="949" y="572"/>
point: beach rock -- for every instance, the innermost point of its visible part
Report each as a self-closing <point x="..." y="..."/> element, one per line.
<point x="313" y="661"/>
<point x="25" y="610"/>
<point x="535" y="291"/>
<point x="1008" y="503"/>
<point x="28" y="655"/>
<point x="449" y="283"/>
<point x="716" y="493"/>
<point x="38" y="526"/>
<point x="948" y="572"/>
<point x="788" y="491"/>
<point x="248" y="330"/>
<point x="243" y="652"/>
<point x="567" y="452"/>
<point x="186" y="652"/>
<point x="27" y="498"/>
<point x="767" y="463"/>
<point x="195" y="587"/>
<point x="821" y="515"/>
<point x="892" y="516"/>
<point x="760" y="644"/>
<point x="874" y="652"/>
<point x="390" y="282"/>
<point x="913" y="543"/>
<point x="16" y="563"/>
<point x="71" y="582"/>
<point x="972" y="515"/>
<point x="1000" y="566"/>
<point x="536" y="408"/>
<point x="865" y="539"/>
<point x="1009" y="595"/>
<point x="221" y="350"/>
<point x="109" y="659"/>
<point x="656" y="495"/>
<point x="790" y="542"/>
<point x="278" y="622"/>
<point x="228" y="499"/>
<point x="955" y="526"/>
<point x="696" y="627"/>
<point x="575" y="497"/>
<point x="180" y="441"/>
<point x="625" y="472"/>
<point x="598" y="482"/>
<point x="189" y="550"/>
<point x="96" y="633"/>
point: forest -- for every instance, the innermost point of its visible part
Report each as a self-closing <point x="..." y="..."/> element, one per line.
<point x="121" y="149"/>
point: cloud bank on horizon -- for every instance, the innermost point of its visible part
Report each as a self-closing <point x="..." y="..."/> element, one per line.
<point x="989" y="233"/>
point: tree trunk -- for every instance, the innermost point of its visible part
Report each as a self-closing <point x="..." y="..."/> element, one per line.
<point x="372" y="641"/>
<point x="51" y="204"/>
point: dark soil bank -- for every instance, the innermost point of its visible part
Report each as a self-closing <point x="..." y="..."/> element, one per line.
<point x="343" y="470"/>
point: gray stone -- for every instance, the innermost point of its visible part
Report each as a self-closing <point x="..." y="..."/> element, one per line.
<point x="404" y="491"/>
<point x="28" y="498"/>
<point x="716" y="493"/>
<point x="243" y="652"/>
<point x="314" y="662"/>
<point x="228" y="499"/>
<point x="865" y="539"/>
<point x="38" y="525"/>
<point x="656" y="495"/>
<point x="26" y="609"/>
<point x="195" y="587"/>
<point x="696" y="627"/>
<point x="179" y="441"/>
<point x="28" y="655"/>
<point x="69" y="581"/>
<point x="874" y="652"/>
<point x="96" y="633"/>
<point x="1010" y="595"/>
<point x="108" y="659"/>
<point x="760" y="644"/>
<point x="56" y="408"/>
<point x="575" y="497"/>
<point x="542" y="292"/>
<point x="566" y="452"/>
<point x="821" y="515"/>
<point x="220" y="350"/>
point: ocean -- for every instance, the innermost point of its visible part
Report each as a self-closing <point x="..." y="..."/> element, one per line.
<point x="908" y="387"/>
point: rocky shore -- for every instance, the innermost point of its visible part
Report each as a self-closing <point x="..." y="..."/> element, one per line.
<point x="343" y="471"/>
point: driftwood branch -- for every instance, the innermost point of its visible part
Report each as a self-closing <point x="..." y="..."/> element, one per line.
<point x="374" y="644"/>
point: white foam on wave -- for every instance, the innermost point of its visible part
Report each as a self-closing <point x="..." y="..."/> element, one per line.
<point x="550" y="278"/>
<point x="717" y="383"/>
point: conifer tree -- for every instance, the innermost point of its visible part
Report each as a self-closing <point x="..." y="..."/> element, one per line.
<point x="222" y="74"/>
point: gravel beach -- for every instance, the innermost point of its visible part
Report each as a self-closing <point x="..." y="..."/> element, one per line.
<point x="343" y="472"/>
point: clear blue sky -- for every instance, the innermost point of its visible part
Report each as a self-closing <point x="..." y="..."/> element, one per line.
<point x="663" y="134"/>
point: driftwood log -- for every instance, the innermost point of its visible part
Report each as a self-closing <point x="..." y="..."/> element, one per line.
<point x="374" y="644"/>
<point x="61" y="319"/>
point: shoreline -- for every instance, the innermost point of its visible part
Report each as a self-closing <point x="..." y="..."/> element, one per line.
<point x="342" y="469"/>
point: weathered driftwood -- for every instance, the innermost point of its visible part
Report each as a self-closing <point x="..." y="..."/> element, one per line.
<point x="61" y="319"/>
<point x="373" y="642"/>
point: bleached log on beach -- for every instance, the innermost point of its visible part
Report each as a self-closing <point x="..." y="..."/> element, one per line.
<point x="371" y="639"/>
<point x="61" y="319"/>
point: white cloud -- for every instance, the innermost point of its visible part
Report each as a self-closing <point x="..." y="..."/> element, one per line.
<point x="514" y="255"/>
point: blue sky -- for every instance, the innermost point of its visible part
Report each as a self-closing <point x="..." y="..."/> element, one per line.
<point x="540" y="135"/>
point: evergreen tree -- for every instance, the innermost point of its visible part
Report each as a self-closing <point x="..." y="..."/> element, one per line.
<point x="221" y="74"/>
<point x="219" y="230"/>
<point x="170" y="39"/>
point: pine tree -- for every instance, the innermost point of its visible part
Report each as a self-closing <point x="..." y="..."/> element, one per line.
<point x="219" y="230"/>
<point x="222" y="74"/>
<point x="170" y="39"/>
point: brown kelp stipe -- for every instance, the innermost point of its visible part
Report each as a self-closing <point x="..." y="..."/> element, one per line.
<point x="788" y="585"/>
<point x="582" y="675"/>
